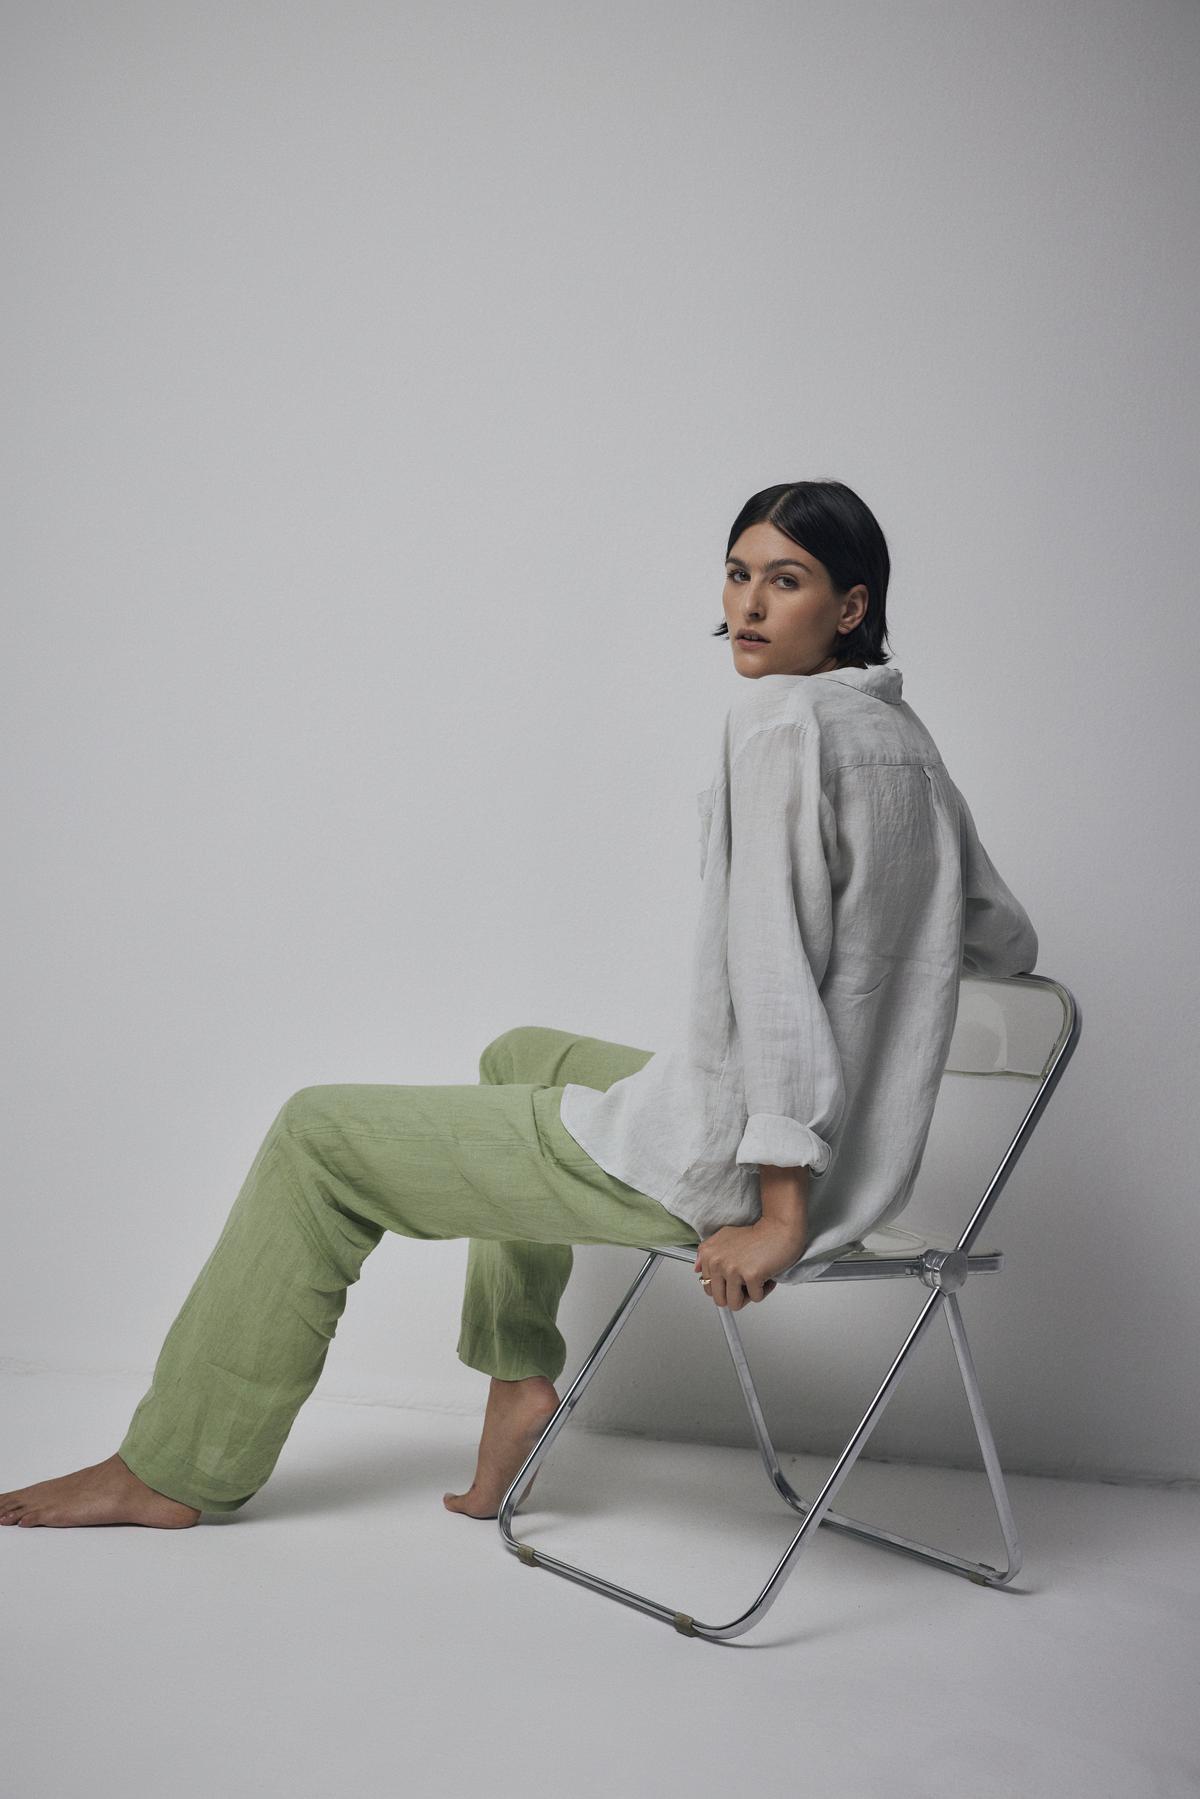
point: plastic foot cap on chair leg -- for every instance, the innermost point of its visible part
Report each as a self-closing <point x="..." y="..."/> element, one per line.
<point x="685" y="1625"/>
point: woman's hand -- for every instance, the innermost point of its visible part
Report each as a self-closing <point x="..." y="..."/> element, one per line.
<point x="740" y="1258"/>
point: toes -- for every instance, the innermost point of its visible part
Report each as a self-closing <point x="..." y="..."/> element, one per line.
<point x="461" y="1503"/>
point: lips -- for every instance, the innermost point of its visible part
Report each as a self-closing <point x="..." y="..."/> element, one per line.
<point x="751" y="637"/>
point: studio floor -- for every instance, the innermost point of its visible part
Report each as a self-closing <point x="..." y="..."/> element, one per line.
<point x="344" y="1634"/>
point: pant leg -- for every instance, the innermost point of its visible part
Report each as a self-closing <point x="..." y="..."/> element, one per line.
<point x="339" y="1167"/>
<point x="512" y="1290"/>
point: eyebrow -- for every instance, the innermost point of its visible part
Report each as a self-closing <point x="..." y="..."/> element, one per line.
<point x="779" y="562"/>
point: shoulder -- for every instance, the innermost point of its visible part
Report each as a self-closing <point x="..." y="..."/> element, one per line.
<point x="770" y="703"/>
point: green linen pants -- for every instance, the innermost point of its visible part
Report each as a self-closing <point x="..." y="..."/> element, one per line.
<point x="341" y="1165"/>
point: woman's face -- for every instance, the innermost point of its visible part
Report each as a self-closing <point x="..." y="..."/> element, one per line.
<point x="774" y="587"/>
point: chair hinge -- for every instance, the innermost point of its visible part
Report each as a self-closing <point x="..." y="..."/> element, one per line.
<point x="944" y="1269"/>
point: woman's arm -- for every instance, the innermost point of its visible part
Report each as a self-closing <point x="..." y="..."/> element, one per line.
<point x="739" y="1260"/>
<point x="778" y="946"/>
<point x="785" y="1196"/>
<point x="780" y="938"/>
<point x="998" y="938"/>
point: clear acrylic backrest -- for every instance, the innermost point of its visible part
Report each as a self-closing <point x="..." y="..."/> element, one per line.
<point x="1013" y="1026"/>
<point x="1009" y="1035"/>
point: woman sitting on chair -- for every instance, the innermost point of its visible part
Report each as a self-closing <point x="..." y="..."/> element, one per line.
<point x="844" y="892"/>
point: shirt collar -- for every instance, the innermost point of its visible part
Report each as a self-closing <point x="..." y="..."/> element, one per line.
<point x="882" y="681"/>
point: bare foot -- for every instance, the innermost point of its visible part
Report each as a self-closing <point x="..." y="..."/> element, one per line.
<point x="515" y="1418"/>
<point x="106" y="1493"/>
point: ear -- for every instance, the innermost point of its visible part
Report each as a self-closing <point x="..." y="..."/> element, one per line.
<point x="855" y="605"/>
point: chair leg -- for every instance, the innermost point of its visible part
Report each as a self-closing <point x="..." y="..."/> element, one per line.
<point x="570" y="1400"/>
<point x="815" y="1514"/>
<point x="982" y="1572"/>
<point x="987" y="1445"/>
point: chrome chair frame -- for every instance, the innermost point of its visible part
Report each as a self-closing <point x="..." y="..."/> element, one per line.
<point x="944" y="1271"/>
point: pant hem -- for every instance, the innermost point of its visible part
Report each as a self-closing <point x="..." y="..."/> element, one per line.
<point x="173" y="1482"/>
<point x="501" y="1370"/>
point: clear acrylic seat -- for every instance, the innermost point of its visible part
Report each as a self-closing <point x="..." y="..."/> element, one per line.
<point x="1020" y="1030"/>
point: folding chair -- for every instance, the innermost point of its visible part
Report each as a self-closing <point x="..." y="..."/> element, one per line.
<point x="1020" y="1028"/>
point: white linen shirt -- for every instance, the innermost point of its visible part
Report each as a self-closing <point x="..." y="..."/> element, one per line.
<point x="845" y="890"/>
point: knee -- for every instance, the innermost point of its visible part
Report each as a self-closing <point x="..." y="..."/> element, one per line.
<point x="300" y="1109"/>
<point x="506" y="1054"/>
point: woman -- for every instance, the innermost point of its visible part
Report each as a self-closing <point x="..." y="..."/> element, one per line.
<point x="844" y="892"/>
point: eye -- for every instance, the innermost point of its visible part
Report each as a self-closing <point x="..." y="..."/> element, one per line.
<point x="735" y="574"/>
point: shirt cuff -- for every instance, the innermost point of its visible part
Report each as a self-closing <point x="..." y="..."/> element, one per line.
<point x="782" y="1143"/>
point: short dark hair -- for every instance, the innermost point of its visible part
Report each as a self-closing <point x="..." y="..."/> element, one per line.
<point x="828" y="519"/>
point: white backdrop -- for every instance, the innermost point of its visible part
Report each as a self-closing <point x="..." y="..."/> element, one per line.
<point x="382" y="382"/>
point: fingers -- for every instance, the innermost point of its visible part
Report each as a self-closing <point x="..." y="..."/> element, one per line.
<point x="727" y="1290"/>
<point x="716" y="1287"/>
<point x="730" y="1290"/>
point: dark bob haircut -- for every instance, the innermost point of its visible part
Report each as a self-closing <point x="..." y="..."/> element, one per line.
<point x="828" y="519"/>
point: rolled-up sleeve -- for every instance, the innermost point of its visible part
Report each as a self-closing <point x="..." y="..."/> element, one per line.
<point x="778" y="946"/>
